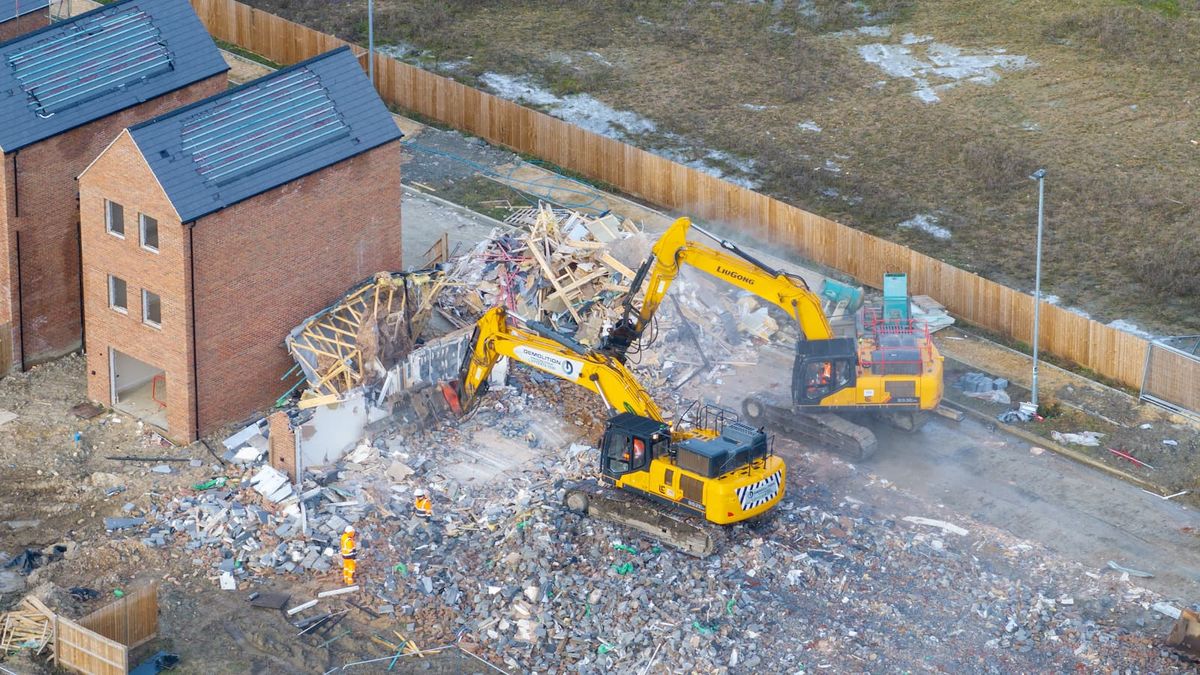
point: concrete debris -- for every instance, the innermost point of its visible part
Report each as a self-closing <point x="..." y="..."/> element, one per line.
<point x="122" y="523"/>
<point x="978" y="385"/>
<point x="1128" y="570"/>
<point x="1167" y="609"/>
<point x="948" y="527"/>
<point x="244" y="437"/>
<point x="1085" y="438"/>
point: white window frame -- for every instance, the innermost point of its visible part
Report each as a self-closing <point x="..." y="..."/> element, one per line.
<point x="145" y="314"/>
<point x="112" y="294"/>
<point x="108" y="204"/>
<point x="142" y="232"/>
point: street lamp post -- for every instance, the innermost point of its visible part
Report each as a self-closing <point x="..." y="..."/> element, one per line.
<point x="1040" y="177"/>
<point x="371" y="41"/>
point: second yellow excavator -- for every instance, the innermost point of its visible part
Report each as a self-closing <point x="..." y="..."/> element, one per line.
<point x="891" y="368"/>
<point x="716" y="467"/>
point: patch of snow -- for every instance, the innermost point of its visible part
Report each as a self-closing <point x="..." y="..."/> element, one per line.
<point x="875" y="31"/>
<point x="714" y="163"/>
<point x="1130" y="327"/>
<point x="581" y="110"/>
<point x="939" y="62"/>
<point x="927" y="224"/>
<point x="832" y="166"/>
<point x="809" y="125"/>
<point x="596" y="56"/>
<point x="590" y="113"/>
<point x="756" y="107"/>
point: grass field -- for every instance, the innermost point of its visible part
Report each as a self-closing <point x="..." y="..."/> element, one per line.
<point x="1105" y="103"/>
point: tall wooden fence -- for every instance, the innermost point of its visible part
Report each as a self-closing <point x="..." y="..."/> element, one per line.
<point x="1107" y="351"/>
<point x="99" y="643"/>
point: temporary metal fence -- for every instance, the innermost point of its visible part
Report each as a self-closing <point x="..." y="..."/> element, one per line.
<point x="1172" y="374"/>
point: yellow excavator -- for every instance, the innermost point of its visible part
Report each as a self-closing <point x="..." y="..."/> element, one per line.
<point x="717" y="467"/>
<point x="891" y="368"/>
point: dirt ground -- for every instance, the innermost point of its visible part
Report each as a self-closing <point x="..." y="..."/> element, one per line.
<point x="1102" y="103"/>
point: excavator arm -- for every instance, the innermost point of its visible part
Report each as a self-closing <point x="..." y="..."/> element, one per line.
<point x="554" y="354"/>
<point x="726" y="473"/>
<point x="892" y="370"/>
<point x="673" y="250"/>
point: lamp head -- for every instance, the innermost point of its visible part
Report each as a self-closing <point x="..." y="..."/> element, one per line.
<point x="1038" y="175"/>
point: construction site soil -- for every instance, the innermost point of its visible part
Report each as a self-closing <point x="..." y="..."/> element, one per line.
<point x="835" y="579"/>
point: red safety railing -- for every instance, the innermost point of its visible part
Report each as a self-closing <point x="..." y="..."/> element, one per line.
<point x="884" y="330"/>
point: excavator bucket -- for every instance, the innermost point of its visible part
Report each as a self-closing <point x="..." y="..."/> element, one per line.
<point x="1185" y="636"/>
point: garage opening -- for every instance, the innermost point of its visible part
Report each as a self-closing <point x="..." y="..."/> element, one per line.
<point x="139" y="389"/>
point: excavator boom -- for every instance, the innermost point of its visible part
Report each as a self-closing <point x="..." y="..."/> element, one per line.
<point x="894" y="370"/>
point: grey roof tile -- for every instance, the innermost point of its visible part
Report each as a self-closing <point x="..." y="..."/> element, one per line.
<point x="240" y="143"/>
<point x="117" y="56"/>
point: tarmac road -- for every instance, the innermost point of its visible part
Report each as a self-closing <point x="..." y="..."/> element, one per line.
<point x="1071" y="509"/>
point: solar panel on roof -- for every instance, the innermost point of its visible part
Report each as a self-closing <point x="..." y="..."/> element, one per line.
<point x="92" y="58"/>
<point x="262" y="125"/>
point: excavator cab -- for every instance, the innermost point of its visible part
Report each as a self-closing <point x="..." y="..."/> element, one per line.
<point x="630" y="443"/>
<point x="823" y="368"/>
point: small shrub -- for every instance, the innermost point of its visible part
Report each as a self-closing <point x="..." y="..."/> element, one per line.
<point x="1050" y="408"/>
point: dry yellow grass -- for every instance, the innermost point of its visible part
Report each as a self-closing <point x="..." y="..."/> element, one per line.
<point x="1109" y="110"/>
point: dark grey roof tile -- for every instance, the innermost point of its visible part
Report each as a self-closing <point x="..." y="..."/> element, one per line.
<point x="74" y="72"/>
<point x="243" y="142"/>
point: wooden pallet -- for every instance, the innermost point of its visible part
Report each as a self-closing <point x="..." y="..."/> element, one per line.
<point x="29" y="626"/>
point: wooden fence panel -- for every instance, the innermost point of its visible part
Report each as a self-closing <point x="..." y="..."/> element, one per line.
<point x="1112" y="353"/>
<point x="81" y="649"/>
<point x="131" y="620"/>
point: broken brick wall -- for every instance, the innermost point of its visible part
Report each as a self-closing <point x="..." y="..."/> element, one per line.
<point x="282" y="443"/>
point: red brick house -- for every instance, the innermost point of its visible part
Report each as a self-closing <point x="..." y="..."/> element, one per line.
<point x="18" y="17"/>
<point x="244" y="214"/>
<point x="66" y="91"/>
